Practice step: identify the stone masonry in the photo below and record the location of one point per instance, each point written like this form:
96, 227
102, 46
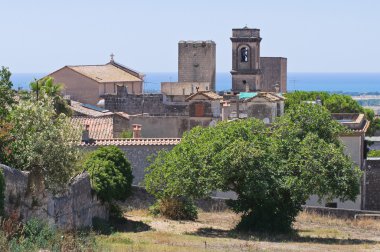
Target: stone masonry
197, 62
75, 208
371, 185
144, 103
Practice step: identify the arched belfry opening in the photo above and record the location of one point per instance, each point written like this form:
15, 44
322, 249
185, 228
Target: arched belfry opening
244, 52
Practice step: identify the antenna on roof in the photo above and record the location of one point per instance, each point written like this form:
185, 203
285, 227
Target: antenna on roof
112, 55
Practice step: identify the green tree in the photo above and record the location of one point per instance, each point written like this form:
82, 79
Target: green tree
111, 173
335, 103
273, 171
6, 92
44, 142
46, 87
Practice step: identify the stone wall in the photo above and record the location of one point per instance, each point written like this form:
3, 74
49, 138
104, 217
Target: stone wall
371, 185
197, 62
71, 209
138, 156
145, 103
274, 70
161, 126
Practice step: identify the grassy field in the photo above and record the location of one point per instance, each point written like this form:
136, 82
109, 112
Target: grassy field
214, 232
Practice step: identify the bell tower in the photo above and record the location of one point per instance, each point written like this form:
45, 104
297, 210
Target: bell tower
246, 72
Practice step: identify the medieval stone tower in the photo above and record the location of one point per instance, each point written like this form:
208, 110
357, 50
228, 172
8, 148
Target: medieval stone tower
246, 72
197, 62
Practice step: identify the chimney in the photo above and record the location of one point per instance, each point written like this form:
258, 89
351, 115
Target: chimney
86, 134
136, 130
225, 106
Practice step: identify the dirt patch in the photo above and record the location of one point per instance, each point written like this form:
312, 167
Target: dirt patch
214, 232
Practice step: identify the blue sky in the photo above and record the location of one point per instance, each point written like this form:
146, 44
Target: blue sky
315, 36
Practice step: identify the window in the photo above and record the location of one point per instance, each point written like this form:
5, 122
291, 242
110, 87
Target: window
244, 54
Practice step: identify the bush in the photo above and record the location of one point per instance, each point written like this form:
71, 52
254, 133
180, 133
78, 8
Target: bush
110, 172
374, 153
175, 209
126, 134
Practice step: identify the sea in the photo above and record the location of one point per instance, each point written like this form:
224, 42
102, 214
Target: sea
348, 83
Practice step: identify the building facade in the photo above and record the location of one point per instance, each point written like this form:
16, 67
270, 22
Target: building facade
250, 72
197, 62
86, 83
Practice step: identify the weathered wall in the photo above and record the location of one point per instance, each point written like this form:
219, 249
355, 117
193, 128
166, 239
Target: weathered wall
72, 209
137, 155
139, 104
353, 147
197, 62
371, 185
183, 88
79, 87
161, 126
274, 70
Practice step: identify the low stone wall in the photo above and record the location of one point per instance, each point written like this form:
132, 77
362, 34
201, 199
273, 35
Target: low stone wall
337, 212
72, 209
141, 199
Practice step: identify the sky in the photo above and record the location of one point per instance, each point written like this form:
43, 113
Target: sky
41, 36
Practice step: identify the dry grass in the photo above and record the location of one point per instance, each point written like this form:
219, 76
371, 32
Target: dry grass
214, 232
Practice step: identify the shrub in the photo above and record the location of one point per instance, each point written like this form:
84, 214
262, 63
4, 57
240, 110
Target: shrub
126, 134
175, 209
374, 153
110, 172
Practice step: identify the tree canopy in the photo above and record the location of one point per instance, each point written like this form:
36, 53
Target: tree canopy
272, 170
335, 103
46, 87
43, 141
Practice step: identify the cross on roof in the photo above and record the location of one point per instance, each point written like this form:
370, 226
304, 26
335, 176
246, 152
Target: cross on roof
112, 55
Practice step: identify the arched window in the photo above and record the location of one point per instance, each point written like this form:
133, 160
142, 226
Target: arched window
244, 54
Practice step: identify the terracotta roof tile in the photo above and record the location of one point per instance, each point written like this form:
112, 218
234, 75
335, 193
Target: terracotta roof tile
208, 94
78, 108
133, 142
100, 127
105, 73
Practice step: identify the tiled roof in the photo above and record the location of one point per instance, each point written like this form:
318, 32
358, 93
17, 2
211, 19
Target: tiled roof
134, 141
81, 110
270, 96
208, 94
99, 127
105, 73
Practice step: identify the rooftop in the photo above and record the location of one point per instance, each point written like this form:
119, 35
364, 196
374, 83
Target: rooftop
105, 73
99, 127
270, 96
354, 121
88, 110
208, 94
134, 142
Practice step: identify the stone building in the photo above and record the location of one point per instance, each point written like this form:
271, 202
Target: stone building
250, 72
196, 62
86, 83
354, 147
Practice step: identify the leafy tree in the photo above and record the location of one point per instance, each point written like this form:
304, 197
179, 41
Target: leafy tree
6, 92
111, 173
47, 88
335, 103
44, 142
272, 170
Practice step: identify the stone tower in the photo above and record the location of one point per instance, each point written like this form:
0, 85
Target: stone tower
197, 62
246, 72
